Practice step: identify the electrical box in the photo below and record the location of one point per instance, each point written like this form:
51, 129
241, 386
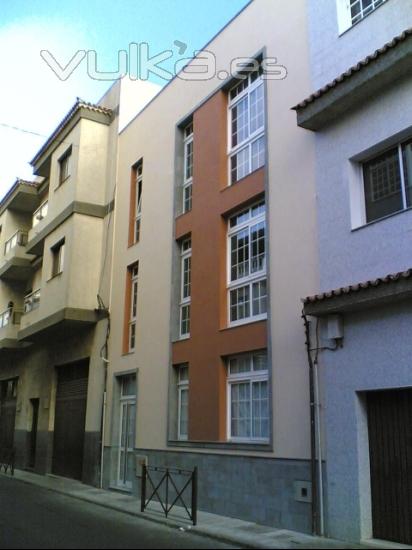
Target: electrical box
334, 327
303, 491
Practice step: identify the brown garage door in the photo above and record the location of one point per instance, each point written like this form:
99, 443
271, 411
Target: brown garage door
69, 424
390, 444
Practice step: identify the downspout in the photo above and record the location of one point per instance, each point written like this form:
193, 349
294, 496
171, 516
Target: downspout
314, 477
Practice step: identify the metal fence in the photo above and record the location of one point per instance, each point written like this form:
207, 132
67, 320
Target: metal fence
170, 487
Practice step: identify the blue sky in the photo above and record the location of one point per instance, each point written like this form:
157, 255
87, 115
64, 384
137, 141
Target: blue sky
32, 98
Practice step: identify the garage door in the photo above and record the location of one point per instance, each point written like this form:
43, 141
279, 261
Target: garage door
70, 418
390, 444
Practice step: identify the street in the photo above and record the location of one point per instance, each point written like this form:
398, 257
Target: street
32, 517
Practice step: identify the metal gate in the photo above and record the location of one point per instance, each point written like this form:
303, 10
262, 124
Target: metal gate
390, 445
70, 418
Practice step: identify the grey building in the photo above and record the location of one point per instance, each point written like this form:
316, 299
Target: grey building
361, 117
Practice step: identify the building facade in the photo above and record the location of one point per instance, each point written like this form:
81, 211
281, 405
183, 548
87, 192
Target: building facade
362, 121
207, 361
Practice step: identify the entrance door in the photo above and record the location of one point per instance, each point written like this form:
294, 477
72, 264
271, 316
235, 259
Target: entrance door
33, 432
70, 419
8, 400
127, 431
390, 445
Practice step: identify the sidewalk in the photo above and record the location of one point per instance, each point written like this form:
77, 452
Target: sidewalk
229, 530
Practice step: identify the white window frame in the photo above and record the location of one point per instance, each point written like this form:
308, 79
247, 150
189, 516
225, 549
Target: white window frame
40, 213
344, 13
249, 279
251, 86
187, 181
137, 222
363, 218
185, 301
241, 378
182, 386
134, 290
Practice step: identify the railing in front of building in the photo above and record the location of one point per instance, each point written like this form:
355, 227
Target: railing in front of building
40, 213
19, 238
10, 316
164, 489
32, 301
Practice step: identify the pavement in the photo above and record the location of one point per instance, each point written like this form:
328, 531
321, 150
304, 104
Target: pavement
224, 529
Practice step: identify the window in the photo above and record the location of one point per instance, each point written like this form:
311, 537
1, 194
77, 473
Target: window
247, 285
134, 274
351, 12
185, 291
183, 402
248, 397
388, 182
138, 183
57, 252
188, 168
64, 166
247, 127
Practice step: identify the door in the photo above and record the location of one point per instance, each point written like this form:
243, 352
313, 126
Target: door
127, 432
390, 448
33, 432
8, 400
70, 420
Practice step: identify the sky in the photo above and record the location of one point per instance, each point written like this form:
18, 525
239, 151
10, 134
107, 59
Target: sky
33, 99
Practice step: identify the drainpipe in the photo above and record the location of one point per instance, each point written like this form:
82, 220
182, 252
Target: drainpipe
319, 450
314, 476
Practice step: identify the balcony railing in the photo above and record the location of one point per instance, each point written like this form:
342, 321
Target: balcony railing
32, 301
10, 316
40, 213
19, 238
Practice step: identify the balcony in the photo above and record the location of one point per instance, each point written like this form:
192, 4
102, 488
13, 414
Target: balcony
16, 263
32, 301
9, 326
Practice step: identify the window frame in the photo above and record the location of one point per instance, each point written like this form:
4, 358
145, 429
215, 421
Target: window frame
137, 207
185, 301
252, 376
344, 13
188, 139
253, 83
64, 166
134, 290
252, 278
399, 146
58, 255
182, 386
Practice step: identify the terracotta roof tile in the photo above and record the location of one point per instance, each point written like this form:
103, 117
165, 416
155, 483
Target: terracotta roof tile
388, 279
355, 69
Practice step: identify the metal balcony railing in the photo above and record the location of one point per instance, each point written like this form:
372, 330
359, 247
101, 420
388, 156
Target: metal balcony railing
5, 318
32, 301
19, 238
40, 213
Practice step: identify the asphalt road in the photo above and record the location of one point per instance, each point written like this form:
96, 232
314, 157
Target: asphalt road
31, 517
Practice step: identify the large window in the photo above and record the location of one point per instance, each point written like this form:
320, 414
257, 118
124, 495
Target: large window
247, 127
247, 286
134, 277
183, 402
248, 397
188, 168
185, 291
388, 182
64, 166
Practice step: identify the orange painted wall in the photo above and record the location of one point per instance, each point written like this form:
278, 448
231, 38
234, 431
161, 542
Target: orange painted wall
210, 339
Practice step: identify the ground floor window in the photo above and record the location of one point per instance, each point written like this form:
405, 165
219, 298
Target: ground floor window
183, 402
248, 397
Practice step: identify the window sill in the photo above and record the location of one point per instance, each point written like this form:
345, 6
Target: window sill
373, 222
248, 321
62, 182
223, 445
55, 276
230, 184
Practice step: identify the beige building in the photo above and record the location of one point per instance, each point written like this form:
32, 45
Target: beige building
215, 244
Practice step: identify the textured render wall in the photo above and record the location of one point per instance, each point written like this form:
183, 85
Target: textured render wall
332, 54
377, 249
376, 355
